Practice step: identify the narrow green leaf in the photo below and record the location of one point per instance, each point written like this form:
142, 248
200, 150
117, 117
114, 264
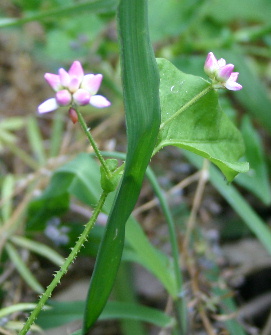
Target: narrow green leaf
200, 125
141, 98
17, 308
6, 192
125, 291
237, 202
35, 139
23, 269
64, 312
12, 123
7, 137
98, 6
57, 134
38, 248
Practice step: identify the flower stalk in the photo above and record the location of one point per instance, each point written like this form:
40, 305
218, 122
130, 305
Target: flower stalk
93, 143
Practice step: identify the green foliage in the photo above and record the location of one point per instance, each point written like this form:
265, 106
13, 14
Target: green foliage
183, 31
199, 125
141, 84
80, 178
256, 180
230, 11
61, 313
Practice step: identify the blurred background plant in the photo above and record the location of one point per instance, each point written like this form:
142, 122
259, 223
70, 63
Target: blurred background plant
40, 224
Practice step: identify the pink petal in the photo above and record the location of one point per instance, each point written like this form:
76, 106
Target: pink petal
210, 64
63, 97
48, 106
53, 80
92, 83
76, 70
224, 72
221, 62
99, 101
81, 97
234, 76
74, 84
64, 77
233, 86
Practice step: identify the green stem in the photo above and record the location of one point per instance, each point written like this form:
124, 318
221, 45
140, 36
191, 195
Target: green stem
179, 304
187, 105
93, 143
64, 268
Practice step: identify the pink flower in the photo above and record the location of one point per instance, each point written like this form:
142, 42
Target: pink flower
73, 88
222, 74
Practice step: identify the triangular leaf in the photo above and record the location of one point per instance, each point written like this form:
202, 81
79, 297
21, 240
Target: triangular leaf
201, 126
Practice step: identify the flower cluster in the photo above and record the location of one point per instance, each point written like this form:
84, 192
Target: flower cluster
73, 88
222, 74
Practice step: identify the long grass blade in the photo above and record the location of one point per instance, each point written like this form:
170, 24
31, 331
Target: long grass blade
141, 98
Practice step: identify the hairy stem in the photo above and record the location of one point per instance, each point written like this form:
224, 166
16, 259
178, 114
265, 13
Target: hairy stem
64, 268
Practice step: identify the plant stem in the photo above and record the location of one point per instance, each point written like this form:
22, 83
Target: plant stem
93, 143
187, 105
179, 304
64, 268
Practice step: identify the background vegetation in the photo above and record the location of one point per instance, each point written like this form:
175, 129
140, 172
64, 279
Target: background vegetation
231, 223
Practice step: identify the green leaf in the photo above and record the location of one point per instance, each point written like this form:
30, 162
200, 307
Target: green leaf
257, 179
47, 206
6, 193
35, 139
232, 11
64, 312
152, 259
56, 134
170, 11
97, 6
12, 123
200, 125
141, 99
17, 308
22, 268
80, 178
38, 248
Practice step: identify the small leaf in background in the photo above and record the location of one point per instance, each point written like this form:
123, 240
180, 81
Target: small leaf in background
23, 269
64, 312
74, 38
35, 139
6, 195
201, 128
256, 180
232, 11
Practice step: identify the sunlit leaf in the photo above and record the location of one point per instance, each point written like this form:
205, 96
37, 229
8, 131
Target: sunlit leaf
200, 126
